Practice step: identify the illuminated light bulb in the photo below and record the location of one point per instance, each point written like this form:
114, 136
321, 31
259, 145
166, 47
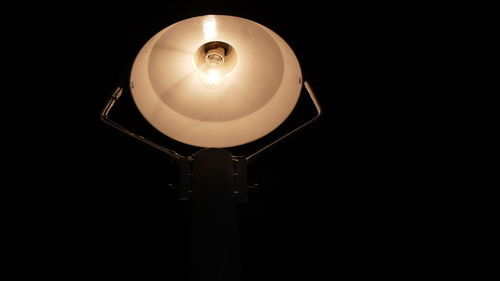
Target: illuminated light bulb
213, 77
215, 59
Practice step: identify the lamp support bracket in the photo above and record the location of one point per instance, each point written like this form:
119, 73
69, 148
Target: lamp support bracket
105, 118
240, 187
318, 109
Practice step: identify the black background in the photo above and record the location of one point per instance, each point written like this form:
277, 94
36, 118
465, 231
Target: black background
367, 191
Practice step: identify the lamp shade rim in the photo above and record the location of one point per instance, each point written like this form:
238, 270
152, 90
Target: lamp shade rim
189, 104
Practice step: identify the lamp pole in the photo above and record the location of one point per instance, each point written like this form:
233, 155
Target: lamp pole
214, 238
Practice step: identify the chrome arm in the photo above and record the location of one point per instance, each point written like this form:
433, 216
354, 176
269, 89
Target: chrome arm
318, 109
105, 118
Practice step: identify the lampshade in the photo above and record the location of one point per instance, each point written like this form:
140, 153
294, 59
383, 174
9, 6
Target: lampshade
216, 81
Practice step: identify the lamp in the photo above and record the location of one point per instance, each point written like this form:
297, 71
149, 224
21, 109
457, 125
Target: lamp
214, 82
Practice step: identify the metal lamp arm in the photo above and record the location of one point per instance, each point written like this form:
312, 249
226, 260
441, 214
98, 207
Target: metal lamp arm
318, 109
105, 118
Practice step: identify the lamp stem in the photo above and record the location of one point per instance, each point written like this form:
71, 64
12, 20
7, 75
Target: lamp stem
214, 237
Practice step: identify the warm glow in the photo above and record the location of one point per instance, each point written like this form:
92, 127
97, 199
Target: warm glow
210, 27
213, 76
216, 81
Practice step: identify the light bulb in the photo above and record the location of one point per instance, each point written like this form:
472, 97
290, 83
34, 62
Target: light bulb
215, 59
213, 76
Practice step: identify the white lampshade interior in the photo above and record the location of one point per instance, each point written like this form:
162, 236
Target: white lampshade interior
244, 98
